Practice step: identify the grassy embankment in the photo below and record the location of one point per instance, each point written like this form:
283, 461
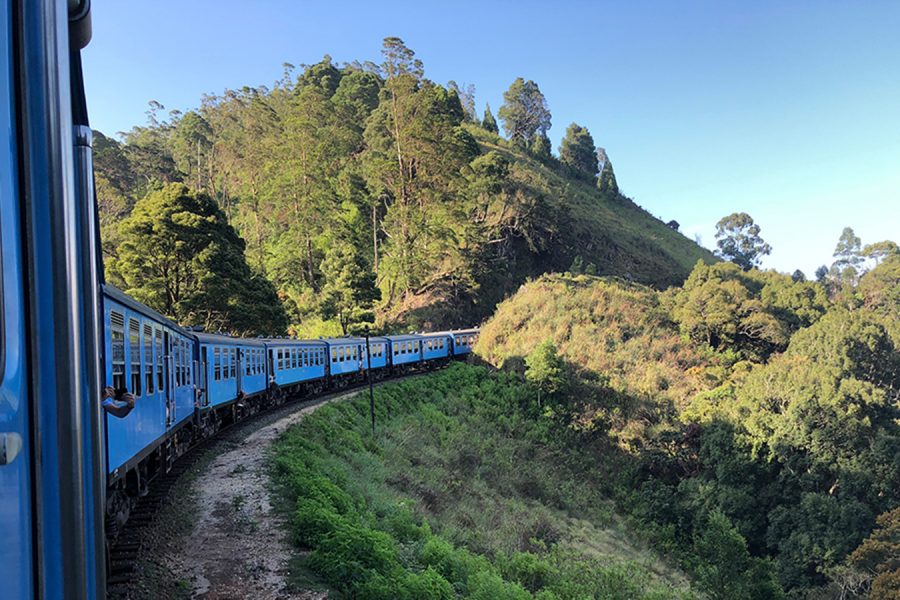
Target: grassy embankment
467, 490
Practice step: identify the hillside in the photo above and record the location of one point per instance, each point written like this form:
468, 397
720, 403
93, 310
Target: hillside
742, 401
465, 491
363, 194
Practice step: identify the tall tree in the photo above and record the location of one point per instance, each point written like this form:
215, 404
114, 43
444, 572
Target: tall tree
349, 291
880, 251
739, 240
466, 94
847, 251
607, 182
489, 123
578, 151
180, 256
524, 112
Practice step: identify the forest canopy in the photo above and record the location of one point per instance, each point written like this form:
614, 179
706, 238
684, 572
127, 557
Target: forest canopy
372, 185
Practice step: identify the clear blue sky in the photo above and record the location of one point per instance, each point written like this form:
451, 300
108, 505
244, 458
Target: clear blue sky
789, 111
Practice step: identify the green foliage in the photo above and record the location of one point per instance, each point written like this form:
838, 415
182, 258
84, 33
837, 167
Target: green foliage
880, 251
578, 151
545, 370
607, 182
738, 240
180, 256
847, 252
380, 158
758, 445
449, 443
524, 112
752, 313
349, 292
489, 123
726, 570
879, 556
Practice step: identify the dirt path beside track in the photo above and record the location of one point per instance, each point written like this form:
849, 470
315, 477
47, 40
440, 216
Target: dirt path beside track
238, 547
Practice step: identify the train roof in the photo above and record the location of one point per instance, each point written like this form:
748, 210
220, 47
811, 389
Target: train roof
290, 342
354, 340
121, 297
404, 336
219, 338
457, 331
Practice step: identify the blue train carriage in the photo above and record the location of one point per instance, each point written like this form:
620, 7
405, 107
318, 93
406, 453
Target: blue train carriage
346, 360
379, 358
406, 352
154, 359
232, 375
296, 365
463, 341
437, 347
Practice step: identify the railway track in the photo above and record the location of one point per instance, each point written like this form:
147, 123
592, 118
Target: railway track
132, 540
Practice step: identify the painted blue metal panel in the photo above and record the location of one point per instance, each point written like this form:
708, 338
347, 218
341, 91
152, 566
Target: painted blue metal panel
16, 568
436, 346
222, 376
346, 356
379, 347
405, 349
463, 340
294, 362
146, 423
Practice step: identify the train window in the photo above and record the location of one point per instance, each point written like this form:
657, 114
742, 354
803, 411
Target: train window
217, 364
233, 353
396, 350
160, 356
341, 353
117, 333
148, 358
296, 354
134, 343
334, 355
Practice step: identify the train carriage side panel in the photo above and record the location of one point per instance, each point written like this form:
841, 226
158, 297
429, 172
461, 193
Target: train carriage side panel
346, 356
405, 349
436, 346
463, 341
126, 368
296, 361
378, 348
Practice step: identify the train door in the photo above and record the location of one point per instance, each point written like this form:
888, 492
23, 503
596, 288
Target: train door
240, 372
170, 380
202, 380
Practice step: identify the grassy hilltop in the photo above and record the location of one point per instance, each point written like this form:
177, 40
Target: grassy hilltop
361, 193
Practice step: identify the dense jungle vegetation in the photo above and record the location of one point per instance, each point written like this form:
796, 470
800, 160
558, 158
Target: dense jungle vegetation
348, 193
749, 401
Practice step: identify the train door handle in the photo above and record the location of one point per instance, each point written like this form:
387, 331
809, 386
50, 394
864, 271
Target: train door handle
10, 445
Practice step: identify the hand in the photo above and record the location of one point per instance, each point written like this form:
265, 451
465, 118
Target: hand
128, 398
108, 392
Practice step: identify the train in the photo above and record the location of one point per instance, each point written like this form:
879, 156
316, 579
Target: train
70, 470
187, 385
